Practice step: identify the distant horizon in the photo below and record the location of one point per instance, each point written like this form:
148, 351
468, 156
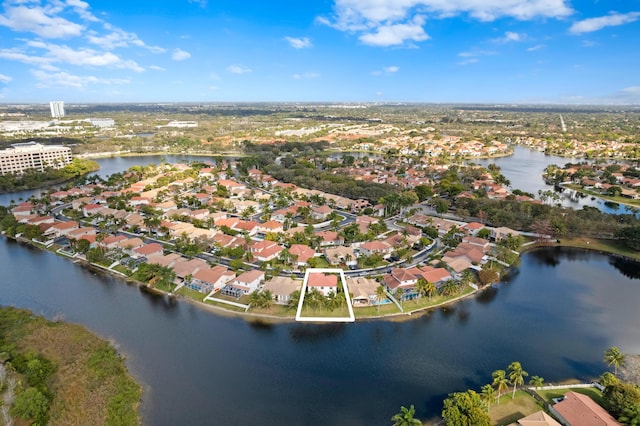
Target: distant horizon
324, 103
563, 52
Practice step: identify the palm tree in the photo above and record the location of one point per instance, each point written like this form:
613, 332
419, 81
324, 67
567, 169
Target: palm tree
431, 289
421, 288
500, 382
488, 394
399, 295
613, 356
405, 417
381, 295
294, 299
536, 381
516, 376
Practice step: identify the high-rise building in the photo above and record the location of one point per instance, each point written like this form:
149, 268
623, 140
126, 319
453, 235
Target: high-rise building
57, 109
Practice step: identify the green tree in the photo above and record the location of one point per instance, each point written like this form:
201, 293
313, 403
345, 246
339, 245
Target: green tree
500, 382
488, 395
536, 381
516, 376
465, 409
613, 356
32, 404
381, 294
405, 417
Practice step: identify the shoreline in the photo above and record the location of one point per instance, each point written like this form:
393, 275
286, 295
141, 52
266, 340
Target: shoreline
397, 316
273, 319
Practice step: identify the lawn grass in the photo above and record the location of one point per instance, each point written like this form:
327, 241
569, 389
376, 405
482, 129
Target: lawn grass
276, 310
510, 410
608, 246
373, 311
549, 394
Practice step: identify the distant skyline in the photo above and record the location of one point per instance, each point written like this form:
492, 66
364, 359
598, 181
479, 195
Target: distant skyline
457, 51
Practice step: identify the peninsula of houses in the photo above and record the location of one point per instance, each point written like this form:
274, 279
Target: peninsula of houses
243, 241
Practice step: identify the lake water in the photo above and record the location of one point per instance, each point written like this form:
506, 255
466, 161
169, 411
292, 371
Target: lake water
556, 314
524, 169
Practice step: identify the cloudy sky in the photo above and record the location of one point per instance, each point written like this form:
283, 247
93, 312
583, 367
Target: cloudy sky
495, 51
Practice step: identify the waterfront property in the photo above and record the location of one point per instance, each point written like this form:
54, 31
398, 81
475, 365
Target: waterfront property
32, 155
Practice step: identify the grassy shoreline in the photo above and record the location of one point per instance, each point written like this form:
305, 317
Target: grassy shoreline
603, 246
88, 381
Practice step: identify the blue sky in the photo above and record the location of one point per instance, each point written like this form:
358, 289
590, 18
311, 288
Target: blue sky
489, 51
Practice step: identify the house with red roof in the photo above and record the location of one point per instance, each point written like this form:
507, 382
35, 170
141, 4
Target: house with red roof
324, 283
148, 250
302, 253
264, 251
243, 284
206, 280
580, 410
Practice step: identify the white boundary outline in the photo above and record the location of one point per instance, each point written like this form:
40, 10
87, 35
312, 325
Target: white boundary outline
303, 293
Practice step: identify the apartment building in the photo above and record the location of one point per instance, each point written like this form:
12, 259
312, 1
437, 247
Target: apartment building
32, 155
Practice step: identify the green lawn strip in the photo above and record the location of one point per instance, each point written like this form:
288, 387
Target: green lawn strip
550, 394
608, 246
374, 311
323, 313
275, 310
510, 410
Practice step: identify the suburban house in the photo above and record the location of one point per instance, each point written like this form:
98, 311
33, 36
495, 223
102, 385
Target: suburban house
76, 234
329, 238
498, 234
321, 212
184, 267
301, 253
148, 250
206, 280
438, 276
324, 283
265, 250
376, 247
281, 288
580, 410
341, 254
473, 228
363, 290
243, 284
539, 418
400, 278
61, 229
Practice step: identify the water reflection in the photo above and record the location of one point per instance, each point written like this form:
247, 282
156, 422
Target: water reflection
487, 295
627, 268
316, 332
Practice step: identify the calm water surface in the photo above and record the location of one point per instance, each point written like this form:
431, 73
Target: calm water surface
525, 167
556, 315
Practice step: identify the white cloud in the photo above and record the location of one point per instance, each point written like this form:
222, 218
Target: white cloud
536, 47
39, 20
510, 36
469, 61
306, 75
5, 78
299, 43
214, 76
156, 68
611, 20
202, 3
472, 57
119, 38
84, 57
64, 79
396, 34
392, 22
180, 55
386, 70
238, 69
589, 43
